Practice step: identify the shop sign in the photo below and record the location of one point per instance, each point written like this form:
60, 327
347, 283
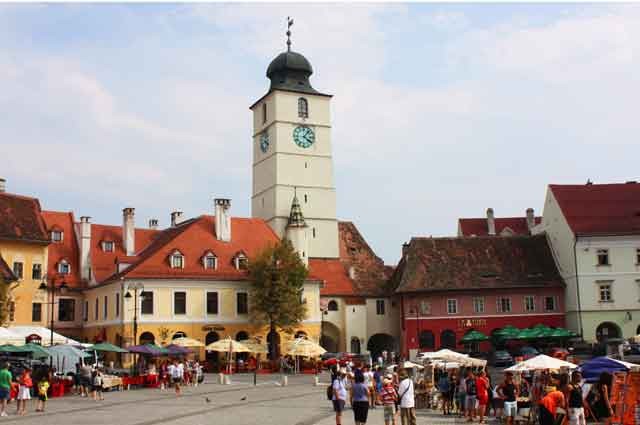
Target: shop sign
212, 328
471, 323
33, 339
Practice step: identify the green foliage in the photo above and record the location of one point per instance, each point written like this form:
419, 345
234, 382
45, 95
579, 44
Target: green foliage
277, 276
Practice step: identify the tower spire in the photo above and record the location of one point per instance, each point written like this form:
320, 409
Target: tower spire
296, 218
289, 24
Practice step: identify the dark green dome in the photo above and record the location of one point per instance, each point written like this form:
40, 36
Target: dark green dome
290, 71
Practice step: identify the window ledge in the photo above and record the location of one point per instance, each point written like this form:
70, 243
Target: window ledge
606, 302
603, 265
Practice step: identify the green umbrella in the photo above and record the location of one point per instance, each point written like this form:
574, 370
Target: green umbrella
474, 336
527, 333
37, 351
541, 326
508, 332
105, 346
561, 333
9, 348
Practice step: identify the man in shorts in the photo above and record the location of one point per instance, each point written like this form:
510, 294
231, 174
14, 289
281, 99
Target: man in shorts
389, 397
86, 377
471, 398
509, 392
5, 387
339, 398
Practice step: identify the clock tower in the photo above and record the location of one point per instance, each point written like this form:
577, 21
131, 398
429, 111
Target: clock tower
292, 157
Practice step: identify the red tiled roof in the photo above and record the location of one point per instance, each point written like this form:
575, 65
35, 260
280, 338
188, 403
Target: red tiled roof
20, 219
67, 249
600, 209
449, 264
371, 274
6, 273
478, 226
103, 264
192, 238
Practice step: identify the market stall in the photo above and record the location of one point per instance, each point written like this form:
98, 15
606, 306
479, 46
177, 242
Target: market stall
592, 369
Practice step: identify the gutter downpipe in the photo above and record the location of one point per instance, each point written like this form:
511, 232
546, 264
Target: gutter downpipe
575, 262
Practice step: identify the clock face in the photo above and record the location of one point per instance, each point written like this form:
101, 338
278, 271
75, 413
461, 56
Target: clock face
264, 142
303, 136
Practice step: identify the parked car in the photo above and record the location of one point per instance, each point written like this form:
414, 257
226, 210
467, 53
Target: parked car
501, 358
559, 353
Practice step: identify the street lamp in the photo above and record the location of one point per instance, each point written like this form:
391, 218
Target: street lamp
135, 287
48, 284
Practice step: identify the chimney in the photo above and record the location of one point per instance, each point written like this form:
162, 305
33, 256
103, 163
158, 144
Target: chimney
405, 249
175, 218
85, 248
153, 223
128, 231
3, 185
223, 219
531, 221
491, 223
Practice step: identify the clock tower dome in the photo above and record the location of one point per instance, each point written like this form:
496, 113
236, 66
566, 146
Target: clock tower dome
292, 155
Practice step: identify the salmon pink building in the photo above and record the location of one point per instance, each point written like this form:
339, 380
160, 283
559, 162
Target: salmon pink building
447, 287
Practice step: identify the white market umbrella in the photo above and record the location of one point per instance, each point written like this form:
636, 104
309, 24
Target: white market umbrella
187, 342
411, 365
228, 346
541, 362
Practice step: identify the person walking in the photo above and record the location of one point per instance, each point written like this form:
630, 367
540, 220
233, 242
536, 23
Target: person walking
339, 398
369, 382
601, 405
445, 391
85, 380
575, 400
24, 391
43, 388
406, 395
389, 397
5, 387
98, 381
461, 389
482, 390
360, 392
178, 376
471, 398
508, 391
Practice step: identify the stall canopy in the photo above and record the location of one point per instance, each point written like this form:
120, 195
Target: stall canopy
65, 357
177, 350
37, 351
305, 348
541, 362
592, 369
474, 336
149, 349
187, 342
106, 347
452, 356
17, 335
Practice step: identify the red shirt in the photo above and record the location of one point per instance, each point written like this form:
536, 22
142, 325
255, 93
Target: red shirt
481, 387
552, 401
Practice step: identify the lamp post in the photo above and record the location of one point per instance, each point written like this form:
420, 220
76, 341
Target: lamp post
48, 284
135, 287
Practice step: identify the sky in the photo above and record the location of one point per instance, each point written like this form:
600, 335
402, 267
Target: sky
439, 110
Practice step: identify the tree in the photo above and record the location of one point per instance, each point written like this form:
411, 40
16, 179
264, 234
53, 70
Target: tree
277, 278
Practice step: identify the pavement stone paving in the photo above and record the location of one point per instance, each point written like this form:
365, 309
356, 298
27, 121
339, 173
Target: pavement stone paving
240, 403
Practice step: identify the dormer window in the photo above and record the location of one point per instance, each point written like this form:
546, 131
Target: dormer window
107, 246
241, 262
56, 235
210, 261
177, 260
303, 108
64, 267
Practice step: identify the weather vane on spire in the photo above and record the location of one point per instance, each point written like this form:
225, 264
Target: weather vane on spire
289, 24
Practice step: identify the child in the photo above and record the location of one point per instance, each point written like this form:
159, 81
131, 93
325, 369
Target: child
43, 388
97, 385
24, 391
389, 398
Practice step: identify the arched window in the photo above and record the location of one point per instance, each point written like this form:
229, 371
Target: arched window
355, 345
179, 334
210, 261
241, 336
332, 306
147, 338
427, 340
301, 334
177, 260
303, 108
448, 339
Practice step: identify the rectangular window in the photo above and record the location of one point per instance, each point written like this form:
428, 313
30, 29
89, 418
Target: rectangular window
66, 310
106, 308
179, 303
117, 305
85, 311
242, 303
638, 256
264, 113
17, 269
380, 307
146, 303
95, 310
478, 305
36, 272
212, 303
529, 303
605, 293
36, 312
63, 267
603, 257
56, 236
549, 303
107, 246
452, 306
210, 262
504, 305
12, 311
